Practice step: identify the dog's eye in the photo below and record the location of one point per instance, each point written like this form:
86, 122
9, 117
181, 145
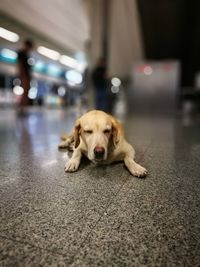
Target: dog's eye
106, 131
88, 131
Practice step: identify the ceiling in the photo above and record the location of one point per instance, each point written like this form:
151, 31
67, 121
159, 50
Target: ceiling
64, 22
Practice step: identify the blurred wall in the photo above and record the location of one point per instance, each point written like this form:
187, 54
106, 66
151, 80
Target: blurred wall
171, 30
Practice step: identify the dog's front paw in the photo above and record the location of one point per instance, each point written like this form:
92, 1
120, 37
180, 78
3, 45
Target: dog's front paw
71, 166
138, 171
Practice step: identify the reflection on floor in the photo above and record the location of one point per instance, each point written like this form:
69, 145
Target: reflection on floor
98, 216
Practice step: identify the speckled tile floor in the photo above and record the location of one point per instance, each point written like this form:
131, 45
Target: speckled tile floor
98, 216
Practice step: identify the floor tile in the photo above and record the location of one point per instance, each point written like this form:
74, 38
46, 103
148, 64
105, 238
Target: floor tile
21, 254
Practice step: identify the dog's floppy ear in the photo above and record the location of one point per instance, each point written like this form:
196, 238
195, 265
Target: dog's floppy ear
77, 133
115, 132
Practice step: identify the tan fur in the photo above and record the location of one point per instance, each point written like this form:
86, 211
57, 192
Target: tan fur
97, 128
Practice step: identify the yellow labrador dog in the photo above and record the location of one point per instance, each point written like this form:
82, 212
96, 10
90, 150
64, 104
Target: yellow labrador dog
100, 137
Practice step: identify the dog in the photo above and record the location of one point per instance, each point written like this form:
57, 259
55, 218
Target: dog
100, 137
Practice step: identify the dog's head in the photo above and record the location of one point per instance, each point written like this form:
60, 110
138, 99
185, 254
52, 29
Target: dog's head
98, 131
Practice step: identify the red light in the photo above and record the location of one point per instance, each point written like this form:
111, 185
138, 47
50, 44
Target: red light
141, 68
167, 67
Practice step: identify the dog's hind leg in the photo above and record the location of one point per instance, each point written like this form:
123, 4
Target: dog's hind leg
67, 142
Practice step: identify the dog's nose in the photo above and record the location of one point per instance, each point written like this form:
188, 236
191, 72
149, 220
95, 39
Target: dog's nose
99, 152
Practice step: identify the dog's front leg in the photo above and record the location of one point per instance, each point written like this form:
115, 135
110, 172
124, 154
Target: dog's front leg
73, 164
134, 168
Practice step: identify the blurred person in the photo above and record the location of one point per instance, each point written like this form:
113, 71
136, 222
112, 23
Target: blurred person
42, 90
99, 78
24, 71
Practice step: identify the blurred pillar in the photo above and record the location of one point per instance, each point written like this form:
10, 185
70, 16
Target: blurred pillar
125, 42
105, 31
95, 10
115, 34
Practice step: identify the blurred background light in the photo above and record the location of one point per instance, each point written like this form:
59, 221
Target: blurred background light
80, 56
32, 93
168, 67
9, 54
33, 83
115, 89
61, 91
69, 61
52, 100
16, 81
39, 66
8, 35
82, 61
148, 70
116, 81
71, 83
81, 67
31, 61
53, 70
52, 54
140, 68
74, 77
18, 90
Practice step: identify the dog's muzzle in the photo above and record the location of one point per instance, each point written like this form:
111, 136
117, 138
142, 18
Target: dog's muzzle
99, 153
